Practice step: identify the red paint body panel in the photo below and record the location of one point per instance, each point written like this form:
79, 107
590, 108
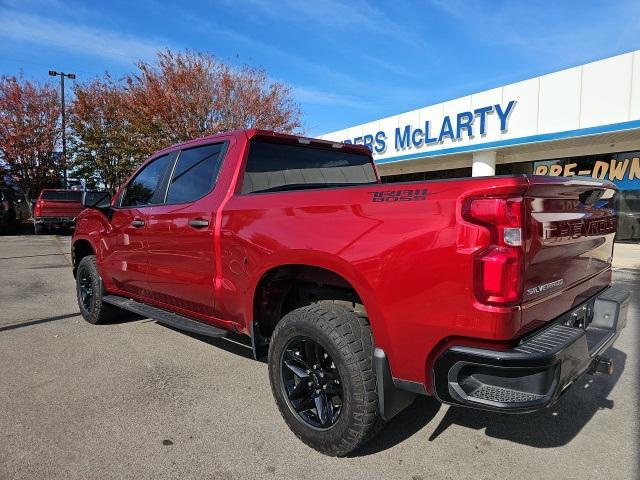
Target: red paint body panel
413, 263
123, 252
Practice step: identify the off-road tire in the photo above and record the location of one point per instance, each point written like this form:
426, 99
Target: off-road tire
347, 338
99, 311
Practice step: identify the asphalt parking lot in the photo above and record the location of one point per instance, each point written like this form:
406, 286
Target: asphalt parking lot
140, 400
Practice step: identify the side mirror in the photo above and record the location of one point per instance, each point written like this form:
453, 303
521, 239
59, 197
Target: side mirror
97, 200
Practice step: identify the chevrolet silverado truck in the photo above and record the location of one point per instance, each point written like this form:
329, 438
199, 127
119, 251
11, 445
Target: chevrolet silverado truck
56, 208
491, 293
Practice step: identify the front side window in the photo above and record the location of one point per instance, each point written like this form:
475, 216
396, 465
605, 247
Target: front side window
280, 166
195, 173
142, 189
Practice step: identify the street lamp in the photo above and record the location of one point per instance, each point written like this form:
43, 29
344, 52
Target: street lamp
70, 76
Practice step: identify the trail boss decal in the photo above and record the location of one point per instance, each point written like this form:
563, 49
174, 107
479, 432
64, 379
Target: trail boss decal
399, 195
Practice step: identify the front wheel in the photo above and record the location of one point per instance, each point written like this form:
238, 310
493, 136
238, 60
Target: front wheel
89, 289
321, 373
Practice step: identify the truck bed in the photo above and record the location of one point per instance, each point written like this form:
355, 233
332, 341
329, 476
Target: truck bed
410, 255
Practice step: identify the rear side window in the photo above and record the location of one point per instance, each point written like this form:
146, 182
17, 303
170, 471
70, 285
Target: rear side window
143, 188
69, 196
195, 173
278, 166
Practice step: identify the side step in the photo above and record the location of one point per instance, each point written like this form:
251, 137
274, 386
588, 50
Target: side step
167, 318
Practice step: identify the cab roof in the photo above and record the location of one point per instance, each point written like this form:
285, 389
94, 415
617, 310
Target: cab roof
248, 134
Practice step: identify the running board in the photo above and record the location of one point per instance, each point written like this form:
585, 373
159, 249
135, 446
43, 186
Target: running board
165, 317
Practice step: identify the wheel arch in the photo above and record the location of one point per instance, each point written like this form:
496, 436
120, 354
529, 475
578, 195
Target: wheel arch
286, 286
80, 248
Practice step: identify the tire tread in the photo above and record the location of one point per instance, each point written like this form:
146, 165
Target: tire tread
351, 334
102, 312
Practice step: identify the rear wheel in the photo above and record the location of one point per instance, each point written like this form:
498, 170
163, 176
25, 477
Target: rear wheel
89, 289
40, 229
321, 373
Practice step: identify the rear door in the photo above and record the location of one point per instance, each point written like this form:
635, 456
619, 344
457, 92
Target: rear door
181, 256
125, 244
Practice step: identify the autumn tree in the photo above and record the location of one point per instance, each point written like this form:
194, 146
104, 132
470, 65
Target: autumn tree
104, 152
181, 96
186, 95
29, 133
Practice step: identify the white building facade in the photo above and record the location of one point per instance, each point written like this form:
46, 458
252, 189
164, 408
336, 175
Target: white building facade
580, 121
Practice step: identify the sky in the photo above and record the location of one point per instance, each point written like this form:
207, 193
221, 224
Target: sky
346, 62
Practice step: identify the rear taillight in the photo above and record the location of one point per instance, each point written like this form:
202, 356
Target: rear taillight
498, 267
38, 209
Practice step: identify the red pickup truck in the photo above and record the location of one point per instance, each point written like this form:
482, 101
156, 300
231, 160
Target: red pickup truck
57, 208
492, 293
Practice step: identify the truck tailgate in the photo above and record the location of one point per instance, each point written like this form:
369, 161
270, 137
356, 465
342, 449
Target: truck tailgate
569, 244
60, 208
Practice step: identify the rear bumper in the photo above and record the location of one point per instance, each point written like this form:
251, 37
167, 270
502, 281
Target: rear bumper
56, 221
541, 367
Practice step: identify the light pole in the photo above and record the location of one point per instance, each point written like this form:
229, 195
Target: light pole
70, 76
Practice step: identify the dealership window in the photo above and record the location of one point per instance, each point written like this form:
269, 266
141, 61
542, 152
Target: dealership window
623, 169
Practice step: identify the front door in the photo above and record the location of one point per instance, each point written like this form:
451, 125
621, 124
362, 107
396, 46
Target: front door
126, 241
181, 257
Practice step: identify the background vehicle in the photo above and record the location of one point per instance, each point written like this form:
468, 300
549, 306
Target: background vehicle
491, 293
57, 208
13, 209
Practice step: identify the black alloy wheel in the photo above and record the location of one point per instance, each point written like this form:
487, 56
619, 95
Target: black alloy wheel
322, 377
89, 292
85, 286
311, 383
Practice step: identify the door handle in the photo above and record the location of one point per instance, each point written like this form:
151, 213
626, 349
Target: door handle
137, 223
199, 223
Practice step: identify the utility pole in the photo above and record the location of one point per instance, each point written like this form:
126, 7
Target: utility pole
70, 76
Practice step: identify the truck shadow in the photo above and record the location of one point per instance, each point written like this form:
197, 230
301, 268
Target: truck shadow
406, 424
551, 427
548, 428
233, 343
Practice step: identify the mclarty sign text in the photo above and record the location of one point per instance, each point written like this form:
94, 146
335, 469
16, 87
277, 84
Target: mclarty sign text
454, 127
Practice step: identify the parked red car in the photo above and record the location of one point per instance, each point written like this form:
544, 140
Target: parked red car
57, 208
492, 293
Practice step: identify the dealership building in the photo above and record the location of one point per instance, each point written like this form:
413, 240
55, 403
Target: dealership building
583, 121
